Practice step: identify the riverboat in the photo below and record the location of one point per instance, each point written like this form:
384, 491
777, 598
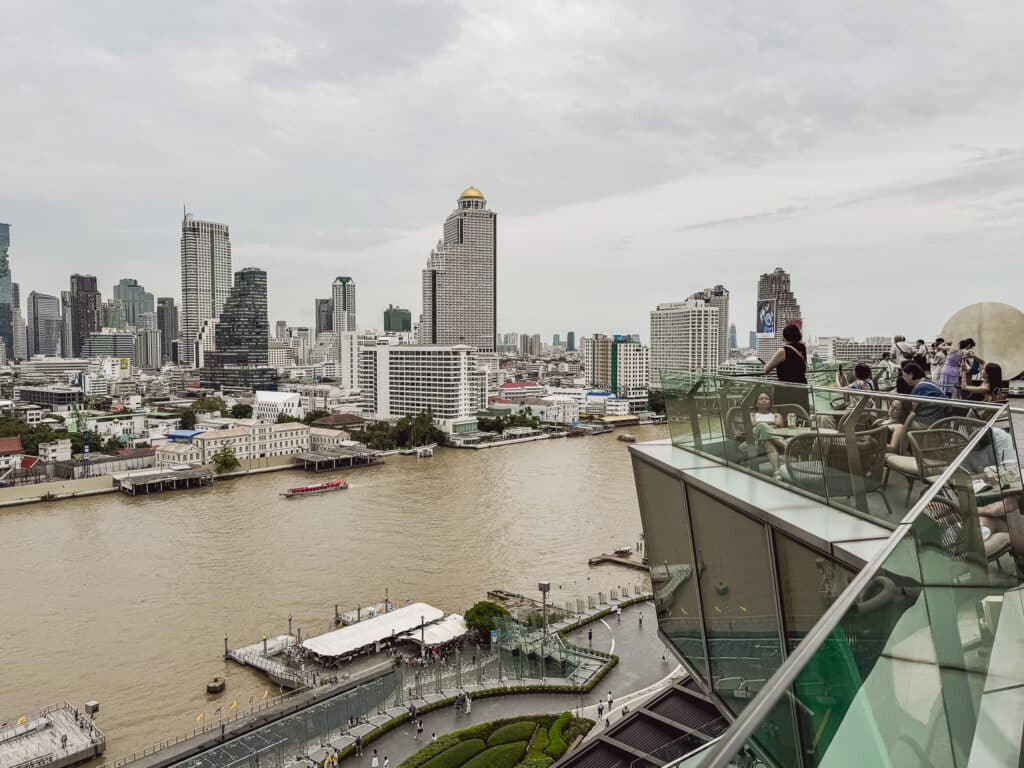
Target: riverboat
627, 438
309, 490
575, 432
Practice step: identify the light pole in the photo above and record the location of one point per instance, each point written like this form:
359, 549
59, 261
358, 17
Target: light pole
544, 587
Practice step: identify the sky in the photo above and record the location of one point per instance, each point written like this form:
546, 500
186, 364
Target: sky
634, 152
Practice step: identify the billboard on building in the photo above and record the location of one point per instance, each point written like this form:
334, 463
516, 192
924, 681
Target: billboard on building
765, 321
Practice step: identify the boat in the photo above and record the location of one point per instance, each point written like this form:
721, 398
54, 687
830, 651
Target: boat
216, 685
309, 490
627, 438
575, 432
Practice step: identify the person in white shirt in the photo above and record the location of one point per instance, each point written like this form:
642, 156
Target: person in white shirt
901, 351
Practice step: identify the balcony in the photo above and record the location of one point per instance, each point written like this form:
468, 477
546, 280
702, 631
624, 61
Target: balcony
853, 599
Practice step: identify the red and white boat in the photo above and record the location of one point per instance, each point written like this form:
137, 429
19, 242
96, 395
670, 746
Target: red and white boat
309, 490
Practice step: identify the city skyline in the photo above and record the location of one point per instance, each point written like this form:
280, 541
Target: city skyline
772, 167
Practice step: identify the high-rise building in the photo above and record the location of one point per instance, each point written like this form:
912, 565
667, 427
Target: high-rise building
148, 351
570, 341
44, 324
775, 285
619, 365
324, 309
460, 279
397, 320
133, 298
406, 379
343, 310
718, 297
240, 360
556, 340
752, 340
535, 346
732, 336
524, 344
86, 311
18, 321
109, 343
167, 324
281, 330
65, 328
205, 278
6, 294
112, 314
684, 337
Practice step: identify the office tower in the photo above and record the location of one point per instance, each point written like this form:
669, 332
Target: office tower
146, 321
570, 341
109, 343
44, 324
65, 328
684, 337
524, 344
752, 340
718, 297
406, 379
20, 342
732, 336
775, 285
148, 351
556, 341
510, 341
205, 277
112, 314
86, 307
324, 309
535, 344
460, 279
133, 298
167, 324
397, 320
281, 330
240, 360
619, 365
343, 308
6, 293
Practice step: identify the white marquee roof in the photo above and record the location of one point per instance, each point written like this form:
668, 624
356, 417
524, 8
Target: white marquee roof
451, 628
351, 638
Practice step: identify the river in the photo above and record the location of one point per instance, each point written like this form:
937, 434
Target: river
128, 600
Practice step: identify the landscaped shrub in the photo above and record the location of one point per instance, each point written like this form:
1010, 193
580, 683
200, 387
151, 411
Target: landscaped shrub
521, 731
430, 751
453, 757
539, 742
536, 761
557, 746
504, 756
578, 726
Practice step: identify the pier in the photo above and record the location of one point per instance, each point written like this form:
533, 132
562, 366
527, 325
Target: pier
53, 737
337, 458
164, 480
628, 562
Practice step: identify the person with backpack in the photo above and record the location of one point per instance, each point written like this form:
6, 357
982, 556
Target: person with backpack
901, 352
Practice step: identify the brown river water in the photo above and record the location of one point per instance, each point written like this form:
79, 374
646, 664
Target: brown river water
128, 600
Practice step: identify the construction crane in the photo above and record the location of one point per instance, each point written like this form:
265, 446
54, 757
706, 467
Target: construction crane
79, 414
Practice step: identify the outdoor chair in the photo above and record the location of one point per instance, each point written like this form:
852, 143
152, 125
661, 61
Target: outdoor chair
965, 425
931, 452
820, 463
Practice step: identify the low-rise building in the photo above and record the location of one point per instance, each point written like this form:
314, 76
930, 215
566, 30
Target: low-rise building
56, 450
268, 406
321, 439
254, 440
10, 452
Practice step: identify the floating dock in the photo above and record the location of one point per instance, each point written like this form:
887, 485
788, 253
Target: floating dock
163, 480
337, 458
628, 562
54, 737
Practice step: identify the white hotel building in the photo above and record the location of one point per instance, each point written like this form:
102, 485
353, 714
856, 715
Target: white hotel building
398, 380
685, 336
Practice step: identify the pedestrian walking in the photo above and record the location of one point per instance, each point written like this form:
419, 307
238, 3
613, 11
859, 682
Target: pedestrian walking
375, 761
387, 763
590, 637
664, 655
433, 737
469, 704
640, 616
419, 730
600, 710
618, 612
359, 746
609, 702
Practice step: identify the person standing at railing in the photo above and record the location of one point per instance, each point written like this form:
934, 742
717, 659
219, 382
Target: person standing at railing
790, 365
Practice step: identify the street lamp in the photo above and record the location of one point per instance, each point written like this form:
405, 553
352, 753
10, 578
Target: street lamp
544, 587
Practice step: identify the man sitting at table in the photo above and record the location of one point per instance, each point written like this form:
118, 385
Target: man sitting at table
913, 376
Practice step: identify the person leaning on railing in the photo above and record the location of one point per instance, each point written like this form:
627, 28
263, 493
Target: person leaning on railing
790, 365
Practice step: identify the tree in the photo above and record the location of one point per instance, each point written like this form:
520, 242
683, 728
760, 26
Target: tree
224, 460
284, 418
112, 445
481, 616
312, 416
188, 420
209, 405
656, 400
241, 411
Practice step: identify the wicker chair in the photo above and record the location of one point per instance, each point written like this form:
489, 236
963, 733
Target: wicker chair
820, 463
965, 425
931, 451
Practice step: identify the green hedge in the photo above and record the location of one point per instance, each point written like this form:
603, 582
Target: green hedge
453, 757
557, 746
580, 726
504, 756
432, 750
536, 761
506, 734
539, 742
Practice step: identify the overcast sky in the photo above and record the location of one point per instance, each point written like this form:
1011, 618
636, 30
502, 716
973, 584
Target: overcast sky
634, 152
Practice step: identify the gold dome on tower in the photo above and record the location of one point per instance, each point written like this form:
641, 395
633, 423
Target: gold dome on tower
471, 192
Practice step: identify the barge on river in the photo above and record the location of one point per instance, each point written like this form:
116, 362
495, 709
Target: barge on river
310, 490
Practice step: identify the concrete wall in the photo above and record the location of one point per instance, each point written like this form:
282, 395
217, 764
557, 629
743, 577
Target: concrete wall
61, 488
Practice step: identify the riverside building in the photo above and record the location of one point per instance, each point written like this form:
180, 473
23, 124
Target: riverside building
406, 379
460, 279
618, 365
205, 278
685, 336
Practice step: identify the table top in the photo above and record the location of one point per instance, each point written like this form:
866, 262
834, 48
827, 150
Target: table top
791, 432
1005, 483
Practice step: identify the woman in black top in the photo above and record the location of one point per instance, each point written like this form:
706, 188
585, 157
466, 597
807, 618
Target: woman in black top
790, 365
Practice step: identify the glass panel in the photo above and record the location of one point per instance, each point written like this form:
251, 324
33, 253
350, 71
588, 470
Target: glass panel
669, 553
734, 572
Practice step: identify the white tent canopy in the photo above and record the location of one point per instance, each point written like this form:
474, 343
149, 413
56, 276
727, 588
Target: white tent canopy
451, 628
347, 640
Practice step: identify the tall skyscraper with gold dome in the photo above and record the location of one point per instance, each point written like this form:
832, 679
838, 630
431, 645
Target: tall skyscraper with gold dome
460, 279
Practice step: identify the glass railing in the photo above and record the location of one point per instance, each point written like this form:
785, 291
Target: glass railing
869, 453
917, 662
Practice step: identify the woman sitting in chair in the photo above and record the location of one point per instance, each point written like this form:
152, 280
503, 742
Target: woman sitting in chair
763, 419
899, 412
990, 390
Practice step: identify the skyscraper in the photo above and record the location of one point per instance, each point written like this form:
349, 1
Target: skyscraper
240, 359
167, 324
6, 294
281, 330
570, 341
18, 323
86, 306
112, 314
205, 277
65, 327
44, 324
732, 336
397, 320
324, 310
343, 307
133, 298
460, 279
775, 285
684, 337
556, 340
718, 297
